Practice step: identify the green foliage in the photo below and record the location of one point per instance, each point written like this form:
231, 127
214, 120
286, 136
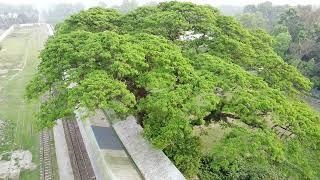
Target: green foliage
269, 12
282, 43
221, 36
94, 20
100, 90
292, 20
143, 63
295, 30
112, 71
282, 40
244, 155
55, 107
186, 154
249, 96
253, 21
241, 47
171, 19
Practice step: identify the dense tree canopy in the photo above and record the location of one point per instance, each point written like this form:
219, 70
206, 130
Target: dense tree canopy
177, 66
95, 20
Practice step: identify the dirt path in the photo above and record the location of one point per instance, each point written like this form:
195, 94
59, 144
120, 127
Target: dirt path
25, 59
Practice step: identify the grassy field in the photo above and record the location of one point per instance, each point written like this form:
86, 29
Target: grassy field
209, 135
18, 62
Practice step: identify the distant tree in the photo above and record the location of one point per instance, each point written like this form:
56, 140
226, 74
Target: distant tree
17, 14
60, 12
253, 21
266, 9
270, 13
279, 29
282, 43
22, 18
127, 6
230, 10
301, 22
292, 20
282, 40
250, 9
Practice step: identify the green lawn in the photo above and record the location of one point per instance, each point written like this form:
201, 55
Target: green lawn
209, 135
20, 51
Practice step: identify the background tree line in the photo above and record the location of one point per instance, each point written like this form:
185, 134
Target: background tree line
59, 12
55, 13
17, 14
295, 30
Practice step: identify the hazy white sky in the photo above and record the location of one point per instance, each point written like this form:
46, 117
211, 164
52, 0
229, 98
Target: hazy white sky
213, 2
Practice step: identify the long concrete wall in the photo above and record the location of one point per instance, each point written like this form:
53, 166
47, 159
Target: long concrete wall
152, 163
6, 33
62, 154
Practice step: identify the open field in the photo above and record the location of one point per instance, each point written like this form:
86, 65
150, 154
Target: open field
18, 62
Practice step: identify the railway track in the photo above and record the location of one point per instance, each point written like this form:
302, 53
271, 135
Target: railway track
46, 155
80, 162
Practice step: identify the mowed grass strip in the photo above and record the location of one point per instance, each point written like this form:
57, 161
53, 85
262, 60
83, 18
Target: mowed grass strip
21, 51
12, 54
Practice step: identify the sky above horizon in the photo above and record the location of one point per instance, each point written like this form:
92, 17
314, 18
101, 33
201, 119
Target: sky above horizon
212, 2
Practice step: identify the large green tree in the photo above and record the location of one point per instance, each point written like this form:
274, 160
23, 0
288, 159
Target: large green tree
176, 66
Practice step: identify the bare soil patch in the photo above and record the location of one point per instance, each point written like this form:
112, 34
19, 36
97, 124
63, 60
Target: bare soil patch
11, 164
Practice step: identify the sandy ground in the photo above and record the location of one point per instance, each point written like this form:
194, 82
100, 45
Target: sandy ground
11, 164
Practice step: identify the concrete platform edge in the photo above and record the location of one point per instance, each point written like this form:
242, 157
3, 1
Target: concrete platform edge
62, 154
